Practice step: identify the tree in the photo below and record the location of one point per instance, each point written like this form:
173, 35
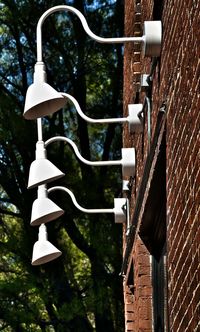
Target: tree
81, 290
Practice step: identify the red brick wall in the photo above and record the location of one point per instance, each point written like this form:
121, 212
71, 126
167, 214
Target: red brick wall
180, 75
176, 83
138, 295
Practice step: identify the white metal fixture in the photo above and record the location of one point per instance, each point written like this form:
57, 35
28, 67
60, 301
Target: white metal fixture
125, 186
44, 171
144, 83
42, 99
41, 102
43, 250
127, 162
119, 210
45, 210
151, 39
136, 119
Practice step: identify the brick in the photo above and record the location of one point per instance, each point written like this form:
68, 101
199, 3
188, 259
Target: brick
176, 82
129, 316
129, 307
145, 291
144, 324
130, 326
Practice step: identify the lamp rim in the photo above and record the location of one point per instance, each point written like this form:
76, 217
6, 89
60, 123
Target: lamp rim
47, 218
46, 259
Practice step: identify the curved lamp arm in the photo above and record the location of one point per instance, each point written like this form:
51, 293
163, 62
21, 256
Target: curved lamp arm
134, 118
127, 161
119, 210
86, 118
79, 207
85, 27
77, 153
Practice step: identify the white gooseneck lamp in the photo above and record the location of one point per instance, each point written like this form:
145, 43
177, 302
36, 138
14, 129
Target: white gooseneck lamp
42, 99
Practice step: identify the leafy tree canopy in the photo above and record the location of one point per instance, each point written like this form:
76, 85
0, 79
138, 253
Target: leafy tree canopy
81, 291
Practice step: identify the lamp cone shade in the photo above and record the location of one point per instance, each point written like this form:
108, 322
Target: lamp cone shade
42, 100
43, 250
44, 210
43, 171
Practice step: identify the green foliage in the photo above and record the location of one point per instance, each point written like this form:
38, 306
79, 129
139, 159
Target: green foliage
81, 291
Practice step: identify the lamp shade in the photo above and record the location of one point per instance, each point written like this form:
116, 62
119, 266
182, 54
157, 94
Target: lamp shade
44, 210
42, 171
43, 250
42, 100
